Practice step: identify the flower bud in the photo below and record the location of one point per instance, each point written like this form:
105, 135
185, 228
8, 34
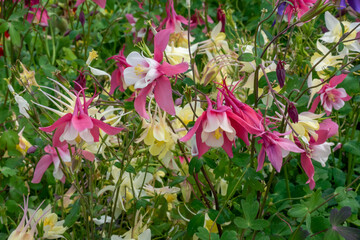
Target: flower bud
31, 149
280, 73
67, 33
80, 82
293, 113
82, 18
178, 101
221, 16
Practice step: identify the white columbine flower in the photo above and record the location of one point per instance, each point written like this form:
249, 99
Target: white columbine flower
23, 104
336, 32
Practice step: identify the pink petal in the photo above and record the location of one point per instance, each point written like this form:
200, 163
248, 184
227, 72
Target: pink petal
329, 126
261, 159
106, 127
41, 167
160, 42
100, 3
240, 131
116, 81
163, 95
171, 70
78, 2
288, 145
275, 156
202, 147
315, 104
192, 131
309, 169
130, 18
57, 123
56, 138
81, 122
88, 155
140, 101
95, 132
337, 80
227, 146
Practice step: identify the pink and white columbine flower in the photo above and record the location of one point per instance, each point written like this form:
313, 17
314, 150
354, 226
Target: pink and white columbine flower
297, 7
53, 157
318, 149
172, 21
330, 96
217, 128
74, 127
149, 75
275, 148
117, 77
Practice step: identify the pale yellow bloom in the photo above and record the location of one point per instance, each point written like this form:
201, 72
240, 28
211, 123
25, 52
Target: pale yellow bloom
306, 126
27, 78
186, 115
24, 144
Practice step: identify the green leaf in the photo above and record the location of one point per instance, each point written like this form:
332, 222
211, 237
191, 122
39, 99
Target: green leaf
189, 82
298, 210
213, 214
141, 203
4, 27
9, 140
203, 234
177, 180
8, 171
229, 235
195, 222
242, 223
15, 35
195, 165
130, 169
12, 206
246, 57
73, 214
259, 224
352, 147
250, 208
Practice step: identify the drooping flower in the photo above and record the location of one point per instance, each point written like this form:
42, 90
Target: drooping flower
117, 77
26, 228
172, 21
217, 128
198, 19
24, 144
336, 32
100, 3
38, 16
318, 149
150, 75
51, 227
330, 96
275, 148
158, 135
22, 103
52, 157
306, 126
97, 72
77, 126
296, 8
27, 78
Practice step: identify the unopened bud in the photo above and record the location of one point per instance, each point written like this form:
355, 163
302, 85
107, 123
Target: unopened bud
178, 101
78, 37
280, 73
67, 32
31, 149
221, 16
293, 113
82, 18
80, 82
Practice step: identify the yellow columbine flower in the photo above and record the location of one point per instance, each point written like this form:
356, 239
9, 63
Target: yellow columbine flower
157, 135
186, 115
24, 144
306, 126
27, 78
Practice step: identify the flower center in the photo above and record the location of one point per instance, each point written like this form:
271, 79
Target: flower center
332, 97
217, 133
139, 70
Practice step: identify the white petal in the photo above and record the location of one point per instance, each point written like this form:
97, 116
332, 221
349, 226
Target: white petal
146, 235
69, 134
134, 58
151, 75
328, 37
212, 122
324, 50
212, 141
86, 136
216, 30
321, 152
98, 72
330, 21
130, 77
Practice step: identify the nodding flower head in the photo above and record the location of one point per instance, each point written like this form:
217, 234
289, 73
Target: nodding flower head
78, 126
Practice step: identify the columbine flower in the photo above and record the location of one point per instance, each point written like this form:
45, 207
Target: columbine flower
330, 96
97, 72
335, 32
306, 126
158, 136
23, 104
186, 115
318, 149
275, 148
24, 144
328, 61
53, 157
40, 14
25, 231
297, 7
172, 21
149, 74
52, 228
77, 126
117, 77
217, 128
27, 78
216, 41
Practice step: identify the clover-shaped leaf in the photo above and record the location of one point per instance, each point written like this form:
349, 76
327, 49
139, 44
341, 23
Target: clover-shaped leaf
339, 217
